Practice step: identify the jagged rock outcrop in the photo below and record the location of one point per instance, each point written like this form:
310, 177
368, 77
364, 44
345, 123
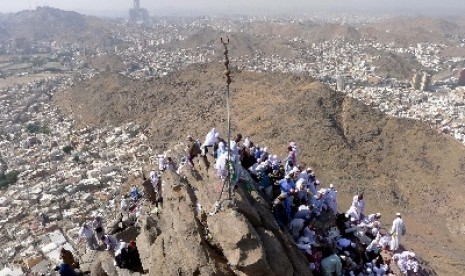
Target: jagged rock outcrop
242, 238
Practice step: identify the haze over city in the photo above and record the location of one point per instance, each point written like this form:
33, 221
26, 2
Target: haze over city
344, 115
119, 7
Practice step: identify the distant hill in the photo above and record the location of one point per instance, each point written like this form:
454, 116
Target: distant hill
45, 23
393, 65
403, 165
413, 30
245, 44
333, 31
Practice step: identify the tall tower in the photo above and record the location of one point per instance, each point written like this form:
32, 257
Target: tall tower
136, 4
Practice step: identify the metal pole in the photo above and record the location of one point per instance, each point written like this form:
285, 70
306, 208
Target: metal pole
227, 74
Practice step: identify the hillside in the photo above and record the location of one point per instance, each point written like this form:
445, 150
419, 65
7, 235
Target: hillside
402, 165
307, 30
246, 43
45, 23
413, 30
393, 65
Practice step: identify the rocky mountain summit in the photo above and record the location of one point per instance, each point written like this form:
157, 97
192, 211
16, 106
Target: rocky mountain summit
190, 237
402, 165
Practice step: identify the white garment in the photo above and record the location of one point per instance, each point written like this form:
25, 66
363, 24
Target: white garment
210, 138
397, 230
154, 179
302, 188
331, 199
220, 166
352, 212
86, 231
412, 265
359, 204
401, 262
124, 204
111, 242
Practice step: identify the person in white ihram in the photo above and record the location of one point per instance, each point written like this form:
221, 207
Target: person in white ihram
397, 230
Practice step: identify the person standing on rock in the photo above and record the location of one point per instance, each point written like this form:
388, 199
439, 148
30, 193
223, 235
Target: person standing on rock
155, 181
397, 230
87, 233
97, 224
359, 203
192, 149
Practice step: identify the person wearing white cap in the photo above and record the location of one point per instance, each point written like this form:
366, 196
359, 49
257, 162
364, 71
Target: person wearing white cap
359, 203
397, 230
302, 188
318, 203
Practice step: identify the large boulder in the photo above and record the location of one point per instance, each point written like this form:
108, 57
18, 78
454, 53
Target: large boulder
235, 236
180, 248
275, 253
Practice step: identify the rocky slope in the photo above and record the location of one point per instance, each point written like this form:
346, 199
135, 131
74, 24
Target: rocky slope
402, 165
186, 238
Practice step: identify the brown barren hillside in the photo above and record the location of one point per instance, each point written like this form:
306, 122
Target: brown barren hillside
402, 165
413, 30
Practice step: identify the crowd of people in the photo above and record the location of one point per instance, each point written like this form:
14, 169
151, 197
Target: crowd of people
349, 244
334, 242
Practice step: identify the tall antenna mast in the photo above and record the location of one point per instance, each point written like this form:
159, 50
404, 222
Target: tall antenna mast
227, 74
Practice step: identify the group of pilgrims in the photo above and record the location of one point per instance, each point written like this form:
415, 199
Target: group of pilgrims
350, 244
334, 242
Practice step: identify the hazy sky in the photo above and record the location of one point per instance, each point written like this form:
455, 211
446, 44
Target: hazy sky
112, 6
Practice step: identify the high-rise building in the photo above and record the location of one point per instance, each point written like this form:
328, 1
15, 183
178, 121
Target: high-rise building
461, 77
138, 14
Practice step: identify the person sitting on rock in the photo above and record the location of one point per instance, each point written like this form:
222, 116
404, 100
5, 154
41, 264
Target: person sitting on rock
169, 164
86, 232
210, 139
68, 258
110, 242
65, 270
